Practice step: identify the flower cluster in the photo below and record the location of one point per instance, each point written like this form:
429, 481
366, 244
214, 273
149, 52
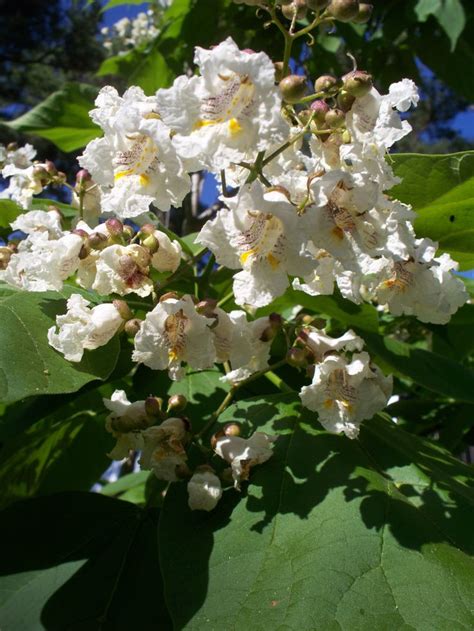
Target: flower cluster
127, 34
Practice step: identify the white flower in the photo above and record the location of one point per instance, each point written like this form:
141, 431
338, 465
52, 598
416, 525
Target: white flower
423, 285
321, 344
23, 184
82, 327
229, 112
168, 256
321, 281
124, 423
172, 333
39, 221
266, 239
244, 453
204, 490
163, 448
345, 393
135, 162
42, 264
120, 269
20, 157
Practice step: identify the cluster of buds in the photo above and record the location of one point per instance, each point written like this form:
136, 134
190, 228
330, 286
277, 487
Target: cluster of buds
46, 173
342, 10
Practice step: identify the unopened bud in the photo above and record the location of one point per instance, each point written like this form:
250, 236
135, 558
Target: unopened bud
365, 11
320, 109
296, 357
123, 309
128, 232
60, 178
85, 250
326, 83
50, 167
293, 88
345, 100
80, 233
297, 8
232, 429
41, 175
153, 406
177, 403
346, 137
335, 118
344, 10
215, 437
132, 327
97, 240
83, 176
114, 226
169, 295
358, 83
268, 334
12, 146
278, 71
147, 228
151, 243
206, 307
276, 321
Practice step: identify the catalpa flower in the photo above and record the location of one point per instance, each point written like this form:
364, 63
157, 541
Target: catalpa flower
344, 393
163, 448
82, 327
266, 239
41, 264
39, 221
233, 106
135, 162
23, 184
172, 333
125, 423
244, 453
204, 489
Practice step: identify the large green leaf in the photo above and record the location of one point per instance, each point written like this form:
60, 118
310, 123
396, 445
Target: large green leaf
449, 13
28, 364
430, 370
146, 68
80, 561
63, 117
9, 211
331, 534
441, 190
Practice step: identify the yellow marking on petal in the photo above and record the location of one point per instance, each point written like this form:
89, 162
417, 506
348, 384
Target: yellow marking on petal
172, 355
274, 262
347, 405
120, 174
205, 123
152, 115
328, 403
144, 179
234, 126
338, 232
245, 255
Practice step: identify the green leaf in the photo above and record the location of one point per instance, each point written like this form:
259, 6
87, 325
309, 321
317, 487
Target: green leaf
80, 561
441, 190
43, 203
28, 364
63, 118
65, 450
430, 370
145, 68
449, 13
330, 534
9, 211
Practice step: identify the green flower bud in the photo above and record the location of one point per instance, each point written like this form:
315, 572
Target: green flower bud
278, 65
132, 327
365, 11
345, 100
293, 88
335, 118
296, 357
297, 7
232, 429
151, 243
344, 10
153, 406
85, 250
98, 241
326, 83
128, 232
357, 83
177, 403
83, 176
123, 309
12, 146
320, 109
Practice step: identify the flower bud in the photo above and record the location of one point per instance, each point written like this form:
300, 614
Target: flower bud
268, 334
128, 232
97, 240
12, 146
153, 406
168, 295
344, 10
293, 88
215, 437
151, 243
85, 250
50, 167
83, 176
357, 83
346, 137
60, 178
276, 321
80, 233
232, 429
296, 357
132, 327
206, 307
147, 228
177, 403
365, 11
5, 255
114, 226
123, 309
41, 175
297, 7
326, 83
335, 118
345, 100
278, 65
304, 116
320, 108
